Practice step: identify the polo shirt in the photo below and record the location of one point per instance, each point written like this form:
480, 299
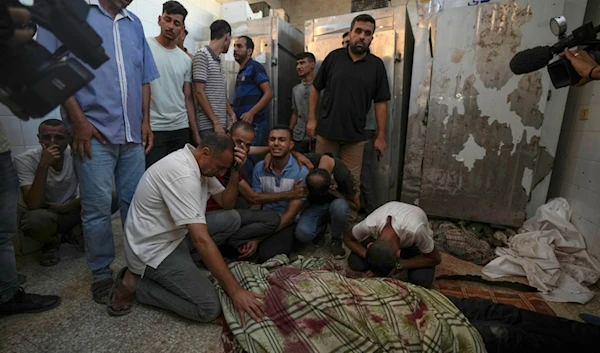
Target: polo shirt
247, 90
268, 181
350, 87
112, 101
409, 222
171, 194
207, 68
342, 176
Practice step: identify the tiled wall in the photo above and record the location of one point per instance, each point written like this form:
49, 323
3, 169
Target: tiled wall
23, 135
576, 174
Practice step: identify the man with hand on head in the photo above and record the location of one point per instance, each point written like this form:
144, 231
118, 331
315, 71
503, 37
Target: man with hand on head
395, 236
172, 111
167, 218
214, 113
50, 207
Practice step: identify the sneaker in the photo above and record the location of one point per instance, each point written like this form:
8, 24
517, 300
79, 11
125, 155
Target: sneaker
337, 250
28, 303
319, 240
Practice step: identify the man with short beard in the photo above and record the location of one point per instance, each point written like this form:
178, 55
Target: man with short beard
356, 73
172, 112
209, 82
109, 120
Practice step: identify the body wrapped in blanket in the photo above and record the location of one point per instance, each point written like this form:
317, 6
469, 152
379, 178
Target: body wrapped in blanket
311, 306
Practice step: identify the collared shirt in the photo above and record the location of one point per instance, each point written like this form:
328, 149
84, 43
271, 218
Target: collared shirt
409, 222
247, 90
268, 181
300, 95
171, 194
207, 69
112, 101
350, 88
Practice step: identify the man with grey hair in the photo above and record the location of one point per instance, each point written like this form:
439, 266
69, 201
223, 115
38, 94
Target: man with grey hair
167, 218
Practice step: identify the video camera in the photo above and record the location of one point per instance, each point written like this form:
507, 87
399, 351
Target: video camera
34, 81
561, 71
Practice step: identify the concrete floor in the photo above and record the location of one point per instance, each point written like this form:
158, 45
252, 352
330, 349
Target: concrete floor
81, 325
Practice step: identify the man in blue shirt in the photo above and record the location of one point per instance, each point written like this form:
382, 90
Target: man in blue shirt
110, 126
252, 95
282, 176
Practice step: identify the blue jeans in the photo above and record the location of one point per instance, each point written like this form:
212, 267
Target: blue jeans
9, 191
261, 138
125, 165
314, 219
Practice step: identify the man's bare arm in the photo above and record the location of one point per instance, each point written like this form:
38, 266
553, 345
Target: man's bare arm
422, 261
262, 198
191, 111
200, 88
293, 120
354, 245
288, 217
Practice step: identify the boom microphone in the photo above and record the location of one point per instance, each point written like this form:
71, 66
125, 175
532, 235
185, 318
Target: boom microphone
530, 60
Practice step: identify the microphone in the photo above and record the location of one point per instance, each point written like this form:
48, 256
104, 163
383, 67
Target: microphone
530, 60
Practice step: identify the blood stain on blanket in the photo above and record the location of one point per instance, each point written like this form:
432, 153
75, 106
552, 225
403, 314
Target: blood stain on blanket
312, 327
418, 313
377, 319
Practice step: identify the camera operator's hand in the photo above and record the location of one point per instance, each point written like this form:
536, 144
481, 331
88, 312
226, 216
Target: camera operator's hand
21, 19
583, 63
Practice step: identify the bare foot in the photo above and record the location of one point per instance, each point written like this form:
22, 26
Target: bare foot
124, 292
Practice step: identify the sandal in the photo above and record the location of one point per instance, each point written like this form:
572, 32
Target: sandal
124, 307
49, 256
100, 290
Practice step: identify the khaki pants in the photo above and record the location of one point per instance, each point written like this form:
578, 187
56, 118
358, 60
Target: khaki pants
351, 153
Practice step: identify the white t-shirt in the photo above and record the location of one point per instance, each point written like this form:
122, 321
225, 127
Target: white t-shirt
61, 185
409, 222
167, 101
171, 194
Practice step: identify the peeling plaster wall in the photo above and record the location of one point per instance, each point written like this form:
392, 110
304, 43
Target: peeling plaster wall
488, 147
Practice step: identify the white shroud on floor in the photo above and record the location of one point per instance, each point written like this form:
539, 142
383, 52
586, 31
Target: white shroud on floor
552, 254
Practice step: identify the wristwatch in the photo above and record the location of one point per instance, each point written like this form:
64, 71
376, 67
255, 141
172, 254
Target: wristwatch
399, 266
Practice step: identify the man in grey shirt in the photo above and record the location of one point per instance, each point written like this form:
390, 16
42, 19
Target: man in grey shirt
305, 67
209, 82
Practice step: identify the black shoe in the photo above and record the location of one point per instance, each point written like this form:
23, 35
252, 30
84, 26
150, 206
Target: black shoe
337, 250
75, 238
319, 240
29, 303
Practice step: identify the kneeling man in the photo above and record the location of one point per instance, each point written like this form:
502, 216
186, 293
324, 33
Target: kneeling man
169, 202
394, 236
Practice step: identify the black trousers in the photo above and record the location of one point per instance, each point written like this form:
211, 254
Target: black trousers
506, 328
167, 142
281, 242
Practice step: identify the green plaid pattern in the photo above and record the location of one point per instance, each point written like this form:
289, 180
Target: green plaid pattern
311, 306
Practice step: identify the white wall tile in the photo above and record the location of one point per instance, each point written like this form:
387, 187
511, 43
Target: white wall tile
587, 94
593, 124
578, 124
567, 191
570, 169
595, 251
591, 210
589, 146
583, 173
577, 199
595, 176
17, 150
575, 142
12, 126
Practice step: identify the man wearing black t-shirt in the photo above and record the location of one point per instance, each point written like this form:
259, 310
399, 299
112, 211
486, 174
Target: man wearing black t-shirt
332, 197
353, 78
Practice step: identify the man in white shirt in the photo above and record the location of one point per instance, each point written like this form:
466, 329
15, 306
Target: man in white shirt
170, 202
395, 236
50, 207
172, 111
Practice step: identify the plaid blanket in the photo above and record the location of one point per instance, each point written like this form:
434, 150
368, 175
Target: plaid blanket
312, 307
460, 242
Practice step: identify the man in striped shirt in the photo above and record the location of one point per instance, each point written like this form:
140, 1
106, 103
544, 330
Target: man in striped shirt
209, 82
